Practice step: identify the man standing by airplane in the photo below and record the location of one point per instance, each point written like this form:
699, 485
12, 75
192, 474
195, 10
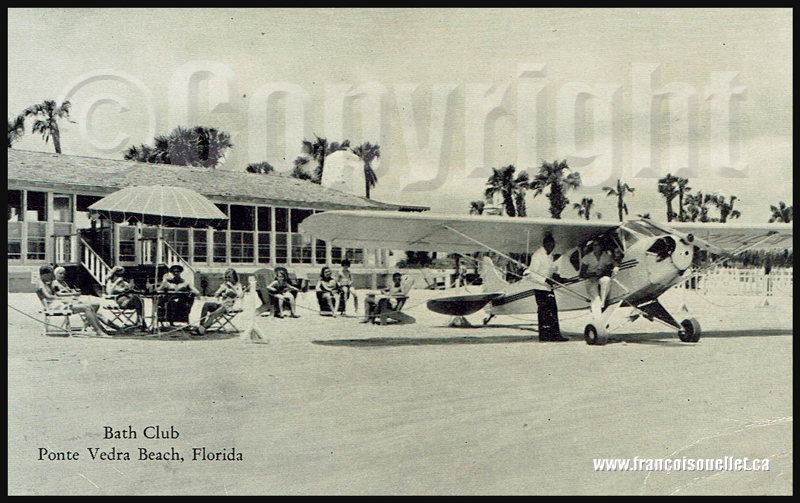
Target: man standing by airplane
540, 272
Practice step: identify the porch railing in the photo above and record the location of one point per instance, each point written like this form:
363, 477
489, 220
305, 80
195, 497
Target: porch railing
93, 263
169, 257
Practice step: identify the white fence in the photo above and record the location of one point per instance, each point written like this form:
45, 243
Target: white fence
730, 281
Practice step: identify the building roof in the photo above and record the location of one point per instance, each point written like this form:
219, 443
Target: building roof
102, 176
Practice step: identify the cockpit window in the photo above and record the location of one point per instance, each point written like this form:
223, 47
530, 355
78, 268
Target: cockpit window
642, 228
628, 238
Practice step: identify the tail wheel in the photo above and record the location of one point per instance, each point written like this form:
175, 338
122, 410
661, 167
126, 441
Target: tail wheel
690, 330
594, 337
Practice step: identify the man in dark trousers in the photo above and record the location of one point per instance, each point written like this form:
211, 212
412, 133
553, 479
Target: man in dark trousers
541, 272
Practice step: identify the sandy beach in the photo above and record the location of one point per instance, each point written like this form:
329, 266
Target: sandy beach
331, 406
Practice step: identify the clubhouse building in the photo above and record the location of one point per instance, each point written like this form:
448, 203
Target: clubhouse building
48, 222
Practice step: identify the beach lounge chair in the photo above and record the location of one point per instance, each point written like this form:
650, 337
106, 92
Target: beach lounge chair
56, 318
325, 309
385, 312
268, 301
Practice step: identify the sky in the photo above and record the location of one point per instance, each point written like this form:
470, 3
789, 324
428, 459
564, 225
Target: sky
447, 93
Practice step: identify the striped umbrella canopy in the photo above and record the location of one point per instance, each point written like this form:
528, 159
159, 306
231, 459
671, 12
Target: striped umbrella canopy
159, 205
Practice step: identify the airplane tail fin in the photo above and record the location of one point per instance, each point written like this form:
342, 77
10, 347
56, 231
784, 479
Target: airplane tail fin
492, 281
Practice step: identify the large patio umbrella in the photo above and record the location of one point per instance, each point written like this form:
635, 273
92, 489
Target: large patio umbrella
159, 205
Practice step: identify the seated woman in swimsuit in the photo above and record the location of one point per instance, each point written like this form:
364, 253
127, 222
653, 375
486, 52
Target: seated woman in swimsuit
329, 290
122, 292
226, 296
54, 298
281, 291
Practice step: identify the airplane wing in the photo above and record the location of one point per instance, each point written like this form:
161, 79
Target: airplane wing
446, 233
729, 236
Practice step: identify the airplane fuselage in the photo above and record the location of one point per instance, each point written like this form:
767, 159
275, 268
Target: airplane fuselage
646, 270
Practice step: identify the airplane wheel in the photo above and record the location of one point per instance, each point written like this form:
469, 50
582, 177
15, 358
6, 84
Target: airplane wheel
691, 330
487, 319
593, 336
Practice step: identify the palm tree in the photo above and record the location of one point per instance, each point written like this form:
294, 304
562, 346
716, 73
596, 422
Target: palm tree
667, 187
318, 150
140, 153
725, 207
368, 152
697, 207
299, 171
477, 207
503, 182
781, 213
522, 184
584, 208
184, 147
260, 167
211, 145
48, 113
683, 189
552, 175
16, 128
619, 192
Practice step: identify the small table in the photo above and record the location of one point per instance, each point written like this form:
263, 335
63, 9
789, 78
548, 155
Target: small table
157, 298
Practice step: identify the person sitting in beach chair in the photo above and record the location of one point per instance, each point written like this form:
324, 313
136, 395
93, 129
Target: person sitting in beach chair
328, 293
345, 280
224, 309
389, 304
281, 292
57, 302
176, 308
126, 303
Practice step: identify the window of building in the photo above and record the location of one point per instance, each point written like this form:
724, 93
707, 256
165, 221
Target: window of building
37, 207
220, 247
15, 206
62, 208
178, 239
264, 218
15, 225
264, 252
241, 246
355, 255
36, 218
82, 204
282, 219
127, 243
301, 249
242, 218
281, 248
37, 235
14, 241
200, 245
321, 252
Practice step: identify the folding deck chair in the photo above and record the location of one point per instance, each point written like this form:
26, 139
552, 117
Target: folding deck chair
226, 320
385, 313
125, 317
61, 312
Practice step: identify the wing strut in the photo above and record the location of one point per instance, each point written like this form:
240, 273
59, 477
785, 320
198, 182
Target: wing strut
727, 257
459, 233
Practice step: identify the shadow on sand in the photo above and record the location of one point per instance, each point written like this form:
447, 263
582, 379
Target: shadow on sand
181, 335
660, 338
426, 341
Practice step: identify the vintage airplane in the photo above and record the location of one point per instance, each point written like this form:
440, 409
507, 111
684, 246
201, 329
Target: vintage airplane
651, 258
